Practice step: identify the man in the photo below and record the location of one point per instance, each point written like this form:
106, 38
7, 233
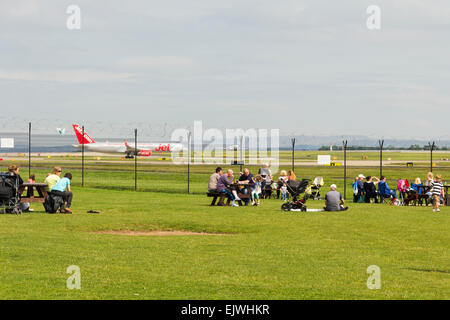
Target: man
334, 200
266, 174
53, 178
59, 189
223, 185
246, 178
359, 188
384, 190
213, 179
13, 170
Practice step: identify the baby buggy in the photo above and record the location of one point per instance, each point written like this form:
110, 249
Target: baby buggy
295, 189
9, 194
315, 188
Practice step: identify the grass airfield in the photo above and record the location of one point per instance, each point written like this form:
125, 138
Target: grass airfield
249, 252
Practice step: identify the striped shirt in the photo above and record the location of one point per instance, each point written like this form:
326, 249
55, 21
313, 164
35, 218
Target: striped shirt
437, 187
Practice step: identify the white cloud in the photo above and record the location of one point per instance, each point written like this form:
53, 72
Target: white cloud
163, 62
66, 76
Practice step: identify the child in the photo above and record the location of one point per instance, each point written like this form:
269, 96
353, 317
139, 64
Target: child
284, 192
437, 190
256, 189
31, 179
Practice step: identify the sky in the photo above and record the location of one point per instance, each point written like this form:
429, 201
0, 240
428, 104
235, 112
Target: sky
305, 67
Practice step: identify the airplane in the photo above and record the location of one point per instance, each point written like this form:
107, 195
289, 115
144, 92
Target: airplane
143, 149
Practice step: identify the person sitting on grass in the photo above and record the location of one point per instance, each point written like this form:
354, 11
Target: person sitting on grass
384, 190
62, 189
334, 200
53, 178
256, 189
224, 185
370, 189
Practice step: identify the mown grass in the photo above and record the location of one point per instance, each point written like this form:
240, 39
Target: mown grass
268, 254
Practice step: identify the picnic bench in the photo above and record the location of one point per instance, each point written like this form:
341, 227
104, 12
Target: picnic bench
221, 195
31, 197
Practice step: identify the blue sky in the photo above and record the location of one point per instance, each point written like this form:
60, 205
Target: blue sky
306, 67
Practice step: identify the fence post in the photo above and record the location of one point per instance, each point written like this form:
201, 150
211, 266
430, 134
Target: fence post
293, 153
381, 143
29, 149
135, 159
432, 146
344, 146
240, 157
189, 158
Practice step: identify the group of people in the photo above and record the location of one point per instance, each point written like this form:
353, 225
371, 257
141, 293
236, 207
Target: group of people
56, 186
60, 187
222, 182
366, 191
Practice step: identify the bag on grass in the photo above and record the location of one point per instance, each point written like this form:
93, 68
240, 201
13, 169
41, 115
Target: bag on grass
6, 192
52, 203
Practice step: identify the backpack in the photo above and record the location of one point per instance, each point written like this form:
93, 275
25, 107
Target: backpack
6, 190
52, 203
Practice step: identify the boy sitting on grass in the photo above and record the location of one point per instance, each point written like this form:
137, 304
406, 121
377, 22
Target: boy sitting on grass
60, 190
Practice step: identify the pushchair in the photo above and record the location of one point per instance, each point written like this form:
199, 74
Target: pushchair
295, 189
315, 188
9, 194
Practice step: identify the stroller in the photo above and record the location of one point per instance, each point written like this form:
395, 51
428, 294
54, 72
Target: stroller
315, 188
9, 194
295, 189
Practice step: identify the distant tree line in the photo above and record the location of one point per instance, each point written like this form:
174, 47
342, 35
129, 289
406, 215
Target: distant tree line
411, 147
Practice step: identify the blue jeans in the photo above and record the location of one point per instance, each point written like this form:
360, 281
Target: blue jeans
228, 192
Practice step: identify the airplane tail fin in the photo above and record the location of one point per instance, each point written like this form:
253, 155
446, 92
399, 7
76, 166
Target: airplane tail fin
79, 132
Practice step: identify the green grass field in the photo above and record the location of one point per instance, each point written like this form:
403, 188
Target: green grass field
258, 253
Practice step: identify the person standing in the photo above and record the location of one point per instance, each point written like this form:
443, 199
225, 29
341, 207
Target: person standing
437, 190
359, 188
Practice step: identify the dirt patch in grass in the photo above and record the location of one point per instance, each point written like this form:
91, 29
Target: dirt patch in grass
159, 233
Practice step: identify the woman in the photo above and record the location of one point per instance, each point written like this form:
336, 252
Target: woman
370, 189
282, 179
291, 176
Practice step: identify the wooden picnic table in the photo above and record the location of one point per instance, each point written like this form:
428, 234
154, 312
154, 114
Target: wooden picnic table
30, 197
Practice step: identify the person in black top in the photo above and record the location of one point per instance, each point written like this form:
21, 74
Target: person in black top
13, 170
370, 189
246, 178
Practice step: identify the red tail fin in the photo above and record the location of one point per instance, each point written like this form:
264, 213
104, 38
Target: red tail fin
79, 132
